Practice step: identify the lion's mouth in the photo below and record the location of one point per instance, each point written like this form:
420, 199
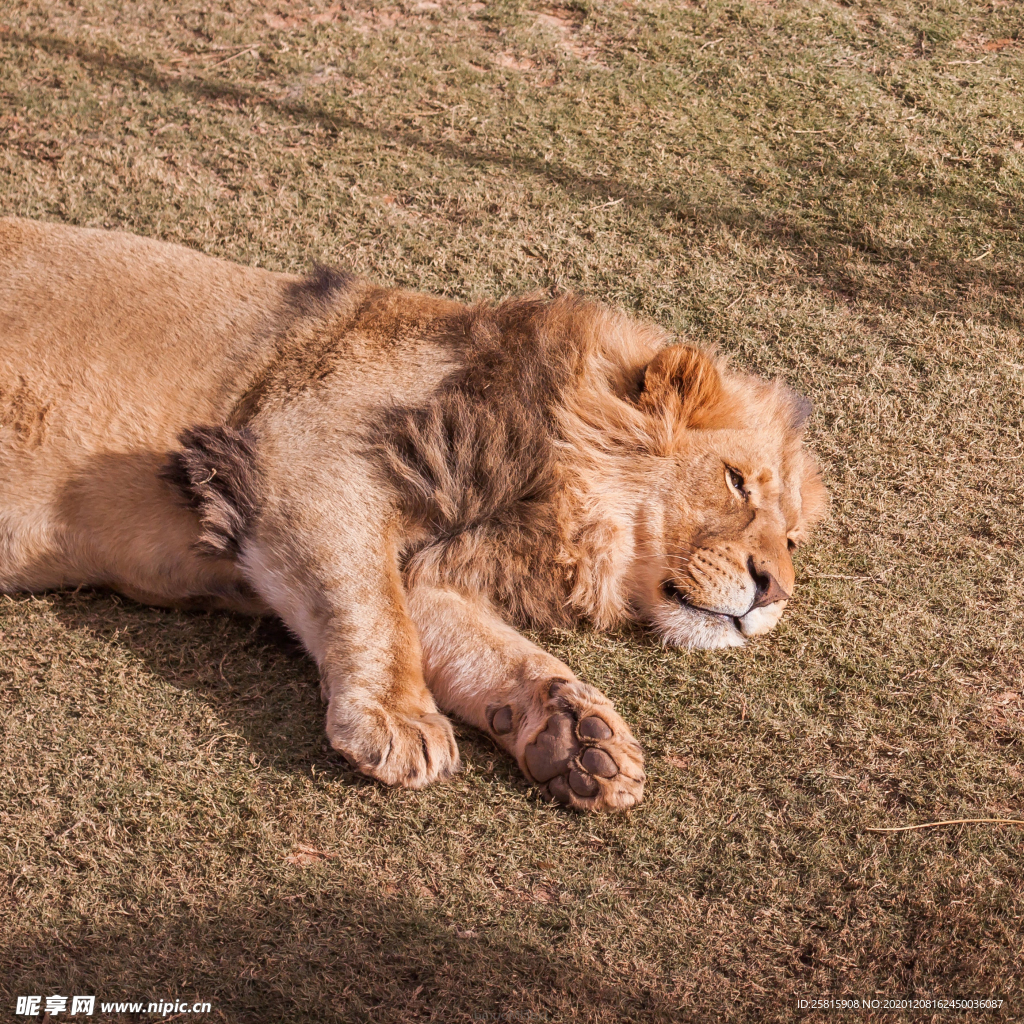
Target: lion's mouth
671, 590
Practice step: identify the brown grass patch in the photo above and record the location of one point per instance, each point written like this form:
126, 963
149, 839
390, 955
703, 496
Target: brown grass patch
821, 189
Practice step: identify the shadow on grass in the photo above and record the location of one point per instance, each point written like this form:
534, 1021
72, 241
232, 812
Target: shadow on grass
329, 954
251, 672
821, 252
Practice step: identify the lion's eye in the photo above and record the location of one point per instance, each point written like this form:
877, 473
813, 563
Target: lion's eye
735, 481
791, 544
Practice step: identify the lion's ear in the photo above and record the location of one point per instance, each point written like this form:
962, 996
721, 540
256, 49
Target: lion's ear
683, 380
800, 408
814, 499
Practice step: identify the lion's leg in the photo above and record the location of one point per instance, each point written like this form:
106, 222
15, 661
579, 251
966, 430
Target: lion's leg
342, 594
564, 734
111, 521
316, 539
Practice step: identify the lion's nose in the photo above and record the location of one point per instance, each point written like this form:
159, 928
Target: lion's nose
767, 587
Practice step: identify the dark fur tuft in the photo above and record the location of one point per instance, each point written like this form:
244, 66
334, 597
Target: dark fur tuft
316, 292
478, 465
216, 471
482, 449
458, 464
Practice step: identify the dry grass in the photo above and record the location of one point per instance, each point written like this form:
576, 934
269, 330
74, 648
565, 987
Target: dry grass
828, 191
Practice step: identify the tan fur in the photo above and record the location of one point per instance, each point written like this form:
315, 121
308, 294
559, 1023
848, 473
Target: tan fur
395, 476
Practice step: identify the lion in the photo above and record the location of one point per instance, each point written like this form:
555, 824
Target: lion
404, 480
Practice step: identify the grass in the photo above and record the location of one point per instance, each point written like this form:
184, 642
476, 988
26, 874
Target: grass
831, 192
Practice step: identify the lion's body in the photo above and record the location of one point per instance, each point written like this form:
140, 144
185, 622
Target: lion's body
111, 346
390, 472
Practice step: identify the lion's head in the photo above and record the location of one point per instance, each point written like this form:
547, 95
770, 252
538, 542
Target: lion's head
578, 465
732, 494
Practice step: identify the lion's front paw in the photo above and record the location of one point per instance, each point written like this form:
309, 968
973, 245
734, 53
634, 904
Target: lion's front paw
574, 747
410, 750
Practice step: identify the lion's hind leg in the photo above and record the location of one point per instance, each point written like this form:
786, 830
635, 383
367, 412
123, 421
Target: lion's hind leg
565, 735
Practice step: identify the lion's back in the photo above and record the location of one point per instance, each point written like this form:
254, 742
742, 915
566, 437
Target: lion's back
113, 345
122, 339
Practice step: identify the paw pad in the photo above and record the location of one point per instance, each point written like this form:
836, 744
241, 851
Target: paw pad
501, 723
550, 753
597, 762
594, 728
582, 784
559, 790
569, 761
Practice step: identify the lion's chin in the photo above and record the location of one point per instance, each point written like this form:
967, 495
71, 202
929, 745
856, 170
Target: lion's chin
762, 620
681, 626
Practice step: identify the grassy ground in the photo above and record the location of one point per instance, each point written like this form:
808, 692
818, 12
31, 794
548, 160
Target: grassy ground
828, 191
